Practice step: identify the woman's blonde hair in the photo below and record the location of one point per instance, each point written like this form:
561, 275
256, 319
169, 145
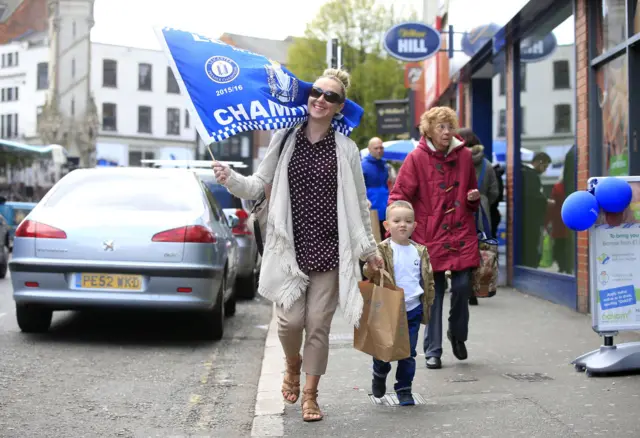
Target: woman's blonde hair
340, 76
438, 114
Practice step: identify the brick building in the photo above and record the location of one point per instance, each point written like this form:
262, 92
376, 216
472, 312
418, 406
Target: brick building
598, 115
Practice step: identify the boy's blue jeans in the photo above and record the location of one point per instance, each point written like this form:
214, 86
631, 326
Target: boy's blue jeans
406, 367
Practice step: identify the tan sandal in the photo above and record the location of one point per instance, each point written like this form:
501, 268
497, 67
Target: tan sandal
291, 381
310, 406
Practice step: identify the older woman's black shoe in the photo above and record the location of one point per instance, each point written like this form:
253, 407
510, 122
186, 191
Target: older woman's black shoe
473, 301
434, 363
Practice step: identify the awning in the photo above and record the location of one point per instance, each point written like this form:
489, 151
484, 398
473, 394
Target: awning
10, 146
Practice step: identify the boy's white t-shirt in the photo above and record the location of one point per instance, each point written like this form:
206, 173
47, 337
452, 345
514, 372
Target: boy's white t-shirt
406, 265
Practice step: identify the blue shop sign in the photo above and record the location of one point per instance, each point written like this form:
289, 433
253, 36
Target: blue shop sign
473, 40
412, 41
536, 49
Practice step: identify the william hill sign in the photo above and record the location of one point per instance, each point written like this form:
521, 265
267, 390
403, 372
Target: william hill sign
412, 41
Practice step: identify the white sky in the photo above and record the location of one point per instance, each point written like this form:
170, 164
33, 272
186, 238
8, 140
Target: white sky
130, 22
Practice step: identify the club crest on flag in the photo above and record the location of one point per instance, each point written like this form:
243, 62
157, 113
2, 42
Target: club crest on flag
230, 90
221, 69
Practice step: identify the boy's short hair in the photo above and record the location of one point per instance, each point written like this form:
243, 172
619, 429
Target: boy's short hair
399, 204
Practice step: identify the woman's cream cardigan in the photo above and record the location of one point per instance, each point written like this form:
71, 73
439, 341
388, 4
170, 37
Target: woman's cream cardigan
281, 280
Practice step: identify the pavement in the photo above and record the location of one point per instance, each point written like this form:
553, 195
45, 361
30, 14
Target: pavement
117, 374
518, 381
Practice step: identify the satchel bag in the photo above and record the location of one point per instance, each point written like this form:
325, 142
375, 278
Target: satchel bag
260, 211
485, 276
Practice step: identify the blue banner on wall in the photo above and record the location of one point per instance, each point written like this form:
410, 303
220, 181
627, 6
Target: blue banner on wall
232, 90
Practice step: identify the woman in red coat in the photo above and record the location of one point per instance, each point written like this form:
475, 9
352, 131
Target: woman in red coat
438, 178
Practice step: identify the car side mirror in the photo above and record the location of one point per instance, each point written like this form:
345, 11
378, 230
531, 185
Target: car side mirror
3, 200
233, 220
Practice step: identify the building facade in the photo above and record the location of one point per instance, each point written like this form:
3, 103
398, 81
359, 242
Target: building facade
49, 79
550, 74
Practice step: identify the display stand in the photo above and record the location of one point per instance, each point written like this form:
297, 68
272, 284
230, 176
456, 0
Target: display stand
614, 284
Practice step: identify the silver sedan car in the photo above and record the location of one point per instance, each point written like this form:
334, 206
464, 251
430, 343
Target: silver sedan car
125, 238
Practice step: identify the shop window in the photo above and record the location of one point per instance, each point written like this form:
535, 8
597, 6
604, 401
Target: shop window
561, 79
613, 100
636, 18
548, 158
136, 157
562, 118
502, 123
503, 84
187, 119
611, 23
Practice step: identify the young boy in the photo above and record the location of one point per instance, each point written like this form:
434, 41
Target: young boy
410, 268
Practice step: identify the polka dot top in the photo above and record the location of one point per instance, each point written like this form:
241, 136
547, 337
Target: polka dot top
313, 183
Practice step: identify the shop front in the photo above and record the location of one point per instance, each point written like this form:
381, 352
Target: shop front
549, 95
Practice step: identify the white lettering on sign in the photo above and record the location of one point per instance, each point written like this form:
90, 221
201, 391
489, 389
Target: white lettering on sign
535, 49
411, 46
238, 113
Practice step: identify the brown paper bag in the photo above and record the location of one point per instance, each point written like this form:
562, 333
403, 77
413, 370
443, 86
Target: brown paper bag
383, 332
375, 225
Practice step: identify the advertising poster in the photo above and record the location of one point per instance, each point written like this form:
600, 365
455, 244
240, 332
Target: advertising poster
615, 256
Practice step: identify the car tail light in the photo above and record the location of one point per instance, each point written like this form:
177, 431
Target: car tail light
184, 290
37, 230
32, 284
190, 234
242, 229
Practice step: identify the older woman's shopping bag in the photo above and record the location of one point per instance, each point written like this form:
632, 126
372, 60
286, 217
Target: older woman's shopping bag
485, 276
383, 331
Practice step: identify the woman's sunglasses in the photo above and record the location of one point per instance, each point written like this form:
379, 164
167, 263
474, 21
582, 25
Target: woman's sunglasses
329, 96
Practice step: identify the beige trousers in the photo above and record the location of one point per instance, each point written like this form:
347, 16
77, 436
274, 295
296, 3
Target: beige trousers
312, 312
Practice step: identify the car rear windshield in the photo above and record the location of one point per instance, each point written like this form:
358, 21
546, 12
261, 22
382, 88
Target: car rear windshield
144, 192
222, 195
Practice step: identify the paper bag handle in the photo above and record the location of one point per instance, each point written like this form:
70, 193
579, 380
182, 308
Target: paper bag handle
385, 274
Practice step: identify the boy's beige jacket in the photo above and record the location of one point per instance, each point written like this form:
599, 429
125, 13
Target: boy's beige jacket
427, 283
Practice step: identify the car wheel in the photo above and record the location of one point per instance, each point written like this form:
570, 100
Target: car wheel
230, 305
246, 287
33, 319
213, 321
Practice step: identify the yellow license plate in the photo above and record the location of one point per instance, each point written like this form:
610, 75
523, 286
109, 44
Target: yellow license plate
110, 281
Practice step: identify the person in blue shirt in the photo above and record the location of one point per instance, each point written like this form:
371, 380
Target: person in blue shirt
378, 174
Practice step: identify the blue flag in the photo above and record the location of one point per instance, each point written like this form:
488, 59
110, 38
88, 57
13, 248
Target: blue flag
233, 90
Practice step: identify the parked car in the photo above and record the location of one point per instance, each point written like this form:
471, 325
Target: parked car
4, 246
125, 238
14, 213
249, 260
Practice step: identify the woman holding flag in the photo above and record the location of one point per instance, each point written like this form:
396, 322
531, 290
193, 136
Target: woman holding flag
317, 229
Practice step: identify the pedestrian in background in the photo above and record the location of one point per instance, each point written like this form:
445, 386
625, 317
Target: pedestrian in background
377, 178
487, 185
438, 178
318, 227
410, 269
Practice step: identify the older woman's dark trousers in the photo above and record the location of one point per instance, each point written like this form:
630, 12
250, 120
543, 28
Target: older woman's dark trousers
461, 290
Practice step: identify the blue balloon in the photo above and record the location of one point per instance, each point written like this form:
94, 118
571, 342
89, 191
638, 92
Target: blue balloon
613, 194
580, 211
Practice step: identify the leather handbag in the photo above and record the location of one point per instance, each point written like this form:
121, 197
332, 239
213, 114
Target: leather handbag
260, 210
